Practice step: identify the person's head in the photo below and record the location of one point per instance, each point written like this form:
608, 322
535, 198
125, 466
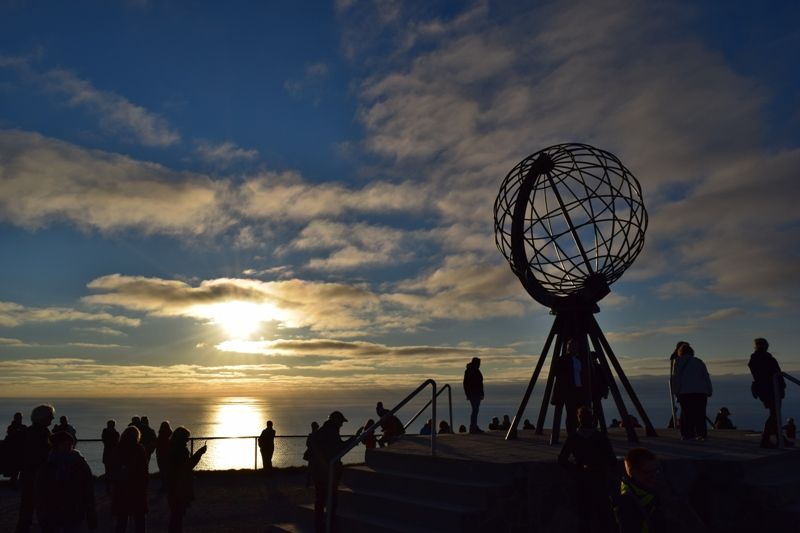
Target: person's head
584, 417
164, 427
314, 426
130, 435
337, 418
43, 415
725, 411
63, 420
369, 423
111, 424
18, 418
145, 421
761, 344
135, 420
476, 362
269, 424
62, 441
180, 435
429, 422
495, 420
462, 428
444, 426
506, 419
641, 466
685, 350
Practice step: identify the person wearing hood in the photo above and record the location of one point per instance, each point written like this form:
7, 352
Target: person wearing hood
763, 367
64, 488
692, 385
473, 389
593, 458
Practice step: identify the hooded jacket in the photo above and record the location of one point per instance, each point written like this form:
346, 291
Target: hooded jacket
473, 382
691, 376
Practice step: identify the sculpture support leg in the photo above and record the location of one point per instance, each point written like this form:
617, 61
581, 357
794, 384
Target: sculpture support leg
548, 389
512, 431
554, 436
623, 411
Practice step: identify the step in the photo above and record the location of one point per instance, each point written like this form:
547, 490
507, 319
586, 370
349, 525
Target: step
415, 511
476, 493
348, 522
442, 468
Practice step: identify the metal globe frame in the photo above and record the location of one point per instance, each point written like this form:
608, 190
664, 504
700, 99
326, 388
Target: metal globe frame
570, 219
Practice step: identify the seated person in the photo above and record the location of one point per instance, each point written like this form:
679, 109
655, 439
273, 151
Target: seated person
494, 424
723, 420
527, 425
444, 427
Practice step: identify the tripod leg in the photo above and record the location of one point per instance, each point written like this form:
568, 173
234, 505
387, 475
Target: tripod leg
512, 431
551, 376
556, 423
623, 411
651, 432
599, 415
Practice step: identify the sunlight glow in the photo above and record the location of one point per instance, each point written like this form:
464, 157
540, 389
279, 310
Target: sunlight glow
239, 319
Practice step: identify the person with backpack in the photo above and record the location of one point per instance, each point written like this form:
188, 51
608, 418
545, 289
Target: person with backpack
764, 368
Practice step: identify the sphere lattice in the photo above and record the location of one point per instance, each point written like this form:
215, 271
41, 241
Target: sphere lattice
584, 220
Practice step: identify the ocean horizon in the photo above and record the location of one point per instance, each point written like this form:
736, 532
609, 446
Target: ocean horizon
246, 416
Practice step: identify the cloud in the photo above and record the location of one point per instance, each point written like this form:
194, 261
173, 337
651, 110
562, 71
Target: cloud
115, 113
676, 328
14, 314
95, 345
225, 153
46, 180
110, 332
311, 82
15, 343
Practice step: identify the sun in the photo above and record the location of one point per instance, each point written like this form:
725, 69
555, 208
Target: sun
239, 320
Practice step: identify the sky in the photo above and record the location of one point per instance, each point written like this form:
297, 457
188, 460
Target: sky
252, 197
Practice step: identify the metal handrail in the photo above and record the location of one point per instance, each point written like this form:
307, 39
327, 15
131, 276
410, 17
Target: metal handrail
776, 390
359, 437
449, 403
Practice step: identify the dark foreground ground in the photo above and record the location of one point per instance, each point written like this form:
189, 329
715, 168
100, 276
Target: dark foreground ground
239, 500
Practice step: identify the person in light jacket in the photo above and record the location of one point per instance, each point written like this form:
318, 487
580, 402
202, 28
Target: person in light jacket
692, 385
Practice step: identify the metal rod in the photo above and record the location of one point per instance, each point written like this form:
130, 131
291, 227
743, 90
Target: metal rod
572, 229
512, 431
551, 376
424, 407
556, 433
612, 385
671, 395
255, 453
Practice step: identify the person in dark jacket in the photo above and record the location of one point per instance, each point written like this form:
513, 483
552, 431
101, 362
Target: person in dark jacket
64, 488
129, 483
593, 457
391, 427
148, 438
573, 376
64, 425
692, 385
638, 506
370, 440
764, 367
473, 389
307, 453
326, 444
180, 486
723, 419
35, 452
266, 443
162, 451
110, 438
13, 448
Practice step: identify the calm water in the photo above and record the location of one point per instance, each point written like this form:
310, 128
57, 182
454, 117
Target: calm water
247, 416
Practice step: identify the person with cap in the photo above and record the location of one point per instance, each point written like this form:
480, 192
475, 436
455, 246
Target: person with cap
723, 419
64, 488
327, 443
35, 452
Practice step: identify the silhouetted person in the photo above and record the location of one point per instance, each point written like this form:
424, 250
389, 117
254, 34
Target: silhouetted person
763, 367
614, 423
148, 438
64, 425
592, 458
473, 389
572, 378
672, 358
392, 427
462, 428
162, 451
426, 429
444, 427
110, 438
632, 420
527, 425
637, 507
34, 455
307, 453
789, 432
370, 440
180, 485
13, 447
136, 422
266, 443
494, 425
692, 385
64, 488
326, 444
506, 424
129, 485
723, 419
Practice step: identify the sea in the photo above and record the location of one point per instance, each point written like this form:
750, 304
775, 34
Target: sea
241, 418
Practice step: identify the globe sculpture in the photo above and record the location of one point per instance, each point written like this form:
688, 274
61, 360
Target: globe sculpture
570, 220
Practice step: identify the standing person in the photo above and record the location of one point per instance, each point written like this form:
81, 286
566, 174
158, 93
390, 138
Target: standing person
64, 488
763, 367
638, 506
266, 443
13, 447
180, 486
110, 438
593, 458
572, 379
34, 455
148, 438
129, 486
307, 453
162, 452
473, 389
692, 385
326, 444
64, 425
672, 358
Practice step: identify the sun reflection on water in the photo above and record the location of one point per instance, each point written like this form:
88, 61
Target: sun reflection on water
233, 417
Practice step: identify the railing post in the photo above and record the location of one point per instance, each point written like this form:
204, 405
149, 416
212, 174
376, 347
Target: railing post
255, 454
434, 427
450, 402
776, 391
191, 444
